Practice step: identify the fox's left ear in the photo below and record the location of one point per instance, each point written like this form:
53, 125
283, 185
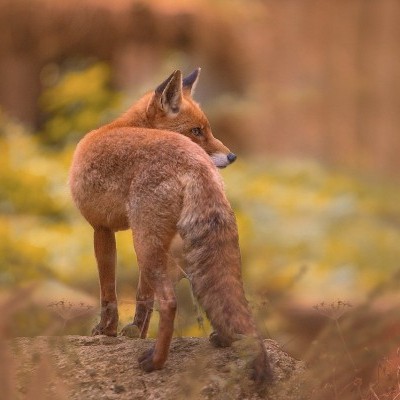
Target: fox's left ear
190, 82
169, 93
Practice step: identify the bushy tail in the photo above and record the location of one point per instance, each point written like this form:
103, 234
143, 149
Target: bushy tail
209, 232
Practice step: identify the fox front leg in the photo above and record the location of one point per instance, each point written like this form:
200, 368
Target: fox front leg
105, 251
144, 309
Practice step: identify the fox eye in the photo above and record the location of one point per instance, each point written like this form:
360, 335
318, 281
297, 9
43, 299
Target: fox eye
197, 131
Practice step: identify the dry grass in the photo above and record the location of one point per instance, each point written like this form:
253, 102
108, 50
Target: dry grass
355, 357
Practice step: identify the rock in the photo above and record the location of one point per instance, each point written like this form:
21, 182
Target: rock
80, 367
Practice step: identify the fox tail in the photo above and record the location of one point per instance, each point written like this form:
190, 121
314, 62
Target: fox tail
208, 228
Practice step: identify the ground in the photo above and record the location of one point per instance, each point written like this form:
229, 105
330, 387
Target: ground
100, 367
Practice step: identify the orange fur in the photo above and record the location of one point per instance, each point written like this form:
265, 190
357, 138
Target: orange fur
142, 172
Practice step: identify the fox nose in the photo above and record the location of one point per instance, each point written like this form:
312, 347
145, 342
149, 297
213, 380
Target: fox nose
231, 157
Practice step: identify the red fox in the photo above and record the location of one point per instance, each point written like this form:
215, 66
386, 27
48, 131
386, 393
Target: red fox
151, 171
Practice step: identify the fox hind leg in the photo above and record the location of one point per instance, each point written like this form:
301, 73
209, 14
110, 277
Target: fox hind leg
152, 258
156, 357
105, 251
145, 294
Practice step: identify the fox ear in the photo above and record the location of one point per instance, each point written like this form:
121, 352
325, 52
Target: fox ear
190, 82
169, 93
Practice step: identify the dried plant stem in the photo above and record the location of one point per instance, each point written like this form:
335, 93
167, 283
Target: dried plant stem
398, 383
339, 329
197, 308
374, 393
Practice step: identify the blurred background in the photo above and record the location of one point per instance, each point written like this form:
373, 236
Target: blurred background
306, 93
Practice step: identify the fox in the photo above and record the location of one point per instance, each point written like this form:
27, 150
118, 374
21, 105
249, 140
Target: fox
154, 171
148, 112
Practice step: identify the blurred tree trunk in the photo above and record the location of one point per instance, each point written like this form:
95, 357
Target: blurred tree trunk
18, 91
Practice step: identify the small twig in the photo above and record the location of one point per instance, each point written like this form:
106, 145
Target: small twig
398, 376
199, 318
398, 382
339, 329
397, 395
373, 392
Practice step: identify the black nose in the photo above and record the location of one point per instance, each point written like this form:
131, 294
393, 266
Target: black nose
231, 157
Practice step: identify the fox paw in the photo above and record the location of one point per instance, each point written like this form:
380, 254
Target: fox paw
131, 331
146, 361
108, 320
100, 329
218, 341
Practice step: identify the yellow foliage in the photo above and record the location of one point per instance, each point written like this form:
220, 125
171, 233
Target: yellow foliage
303, 228
81, 101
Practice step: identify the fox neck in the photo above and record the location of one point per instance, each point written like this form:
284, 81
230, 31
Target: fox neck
136, 116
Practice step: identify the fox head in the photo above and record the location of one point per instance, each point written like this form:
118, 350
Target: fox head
171, 107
